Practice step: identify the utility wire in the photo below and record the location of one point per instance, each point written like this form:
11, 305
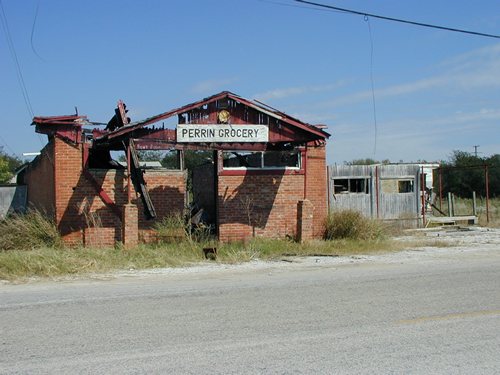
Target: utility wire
33, 32
373, 87
8, 147
398, 19
16, 61
297, 6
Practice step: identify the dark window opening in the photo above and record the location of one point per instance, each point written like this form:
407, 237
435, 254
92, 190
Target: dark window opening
405, 186
261, 160
282, 159
351, 185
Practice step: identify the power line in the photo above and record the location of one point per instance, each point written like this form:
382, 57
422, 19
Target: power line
281, 3
373, 87
33, 31
7, 146
13, 53
398, 19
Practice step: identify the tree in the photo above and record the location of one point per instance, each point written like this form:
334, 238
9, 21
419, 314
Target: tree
367, 161
8, 165
5, 174
464, 173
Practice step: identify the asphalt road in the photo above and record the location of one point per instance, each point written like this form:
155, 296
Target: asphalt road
421, 315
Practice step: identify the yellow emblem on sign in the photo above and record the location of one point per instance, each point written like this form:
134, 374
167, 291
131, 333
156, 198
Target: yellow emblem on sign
223, 116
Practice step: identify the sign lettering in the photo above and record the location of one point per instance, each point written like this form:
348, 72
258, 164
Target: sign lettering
222, 133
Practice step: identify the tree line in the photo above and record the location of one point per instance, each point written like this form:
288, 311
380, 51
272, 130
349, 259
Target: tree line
465, 172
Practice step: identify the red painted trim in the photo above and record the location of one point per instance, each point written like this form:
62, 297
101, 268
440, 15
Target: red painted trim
422, 192
85, 155
283, 117
377, 203
261, 172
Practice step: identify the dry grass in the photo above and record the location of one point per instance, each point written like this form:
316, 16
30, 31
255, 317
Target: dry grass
28, 231
19, 265
171, 229
38, 259
352, 225
53, 262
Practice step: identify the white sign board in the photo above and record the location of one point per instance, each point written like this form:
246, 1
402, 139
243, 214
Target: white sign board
222, 133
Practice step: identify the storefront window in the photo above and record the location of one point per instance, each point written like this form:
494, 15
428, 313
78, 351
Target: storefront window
261, 160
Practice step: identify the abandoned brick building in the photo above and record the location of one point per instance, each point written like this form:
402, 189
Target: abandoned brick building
267, 175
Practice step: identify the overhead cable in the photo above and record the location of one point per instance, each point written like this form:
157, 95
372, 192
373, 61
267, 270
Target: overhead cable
13, 53
325, 6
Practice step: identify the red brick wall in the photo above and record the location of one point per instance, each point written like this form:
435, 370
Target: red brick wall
81, 215
69, 191
260, 205
39, 178
316, 189
167, 189
264, 206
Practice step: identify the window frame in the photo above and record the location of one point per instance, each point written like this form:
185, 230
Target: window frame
263, 167
366, 190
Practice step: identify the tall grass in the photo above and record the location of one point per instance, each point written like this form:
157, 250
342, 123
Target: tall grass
352, 225
28, 231
40, 254
171, 229
54, 262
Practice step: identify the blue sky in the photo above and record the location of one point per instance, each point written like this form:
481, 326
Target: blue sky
435, 91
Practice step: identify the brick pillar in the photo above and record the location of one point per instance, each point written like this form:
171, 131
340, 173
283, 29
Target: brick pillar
130, 225
304, 220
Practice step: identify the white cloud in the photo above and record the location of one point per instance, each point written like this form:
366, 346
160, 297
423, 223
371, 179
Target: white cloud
407, 88
281, 93
478, 69
315, 118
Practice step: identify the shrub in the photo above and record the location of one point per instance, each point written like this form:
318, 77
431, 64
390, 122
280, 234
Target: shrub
28, 231
353, 225
171, 228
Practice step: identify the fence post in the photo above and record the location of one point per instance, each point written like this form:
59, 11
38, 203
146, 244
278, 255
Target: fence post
377, 191
474, 206
440, 189
487, 183
450, 206
422, 192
